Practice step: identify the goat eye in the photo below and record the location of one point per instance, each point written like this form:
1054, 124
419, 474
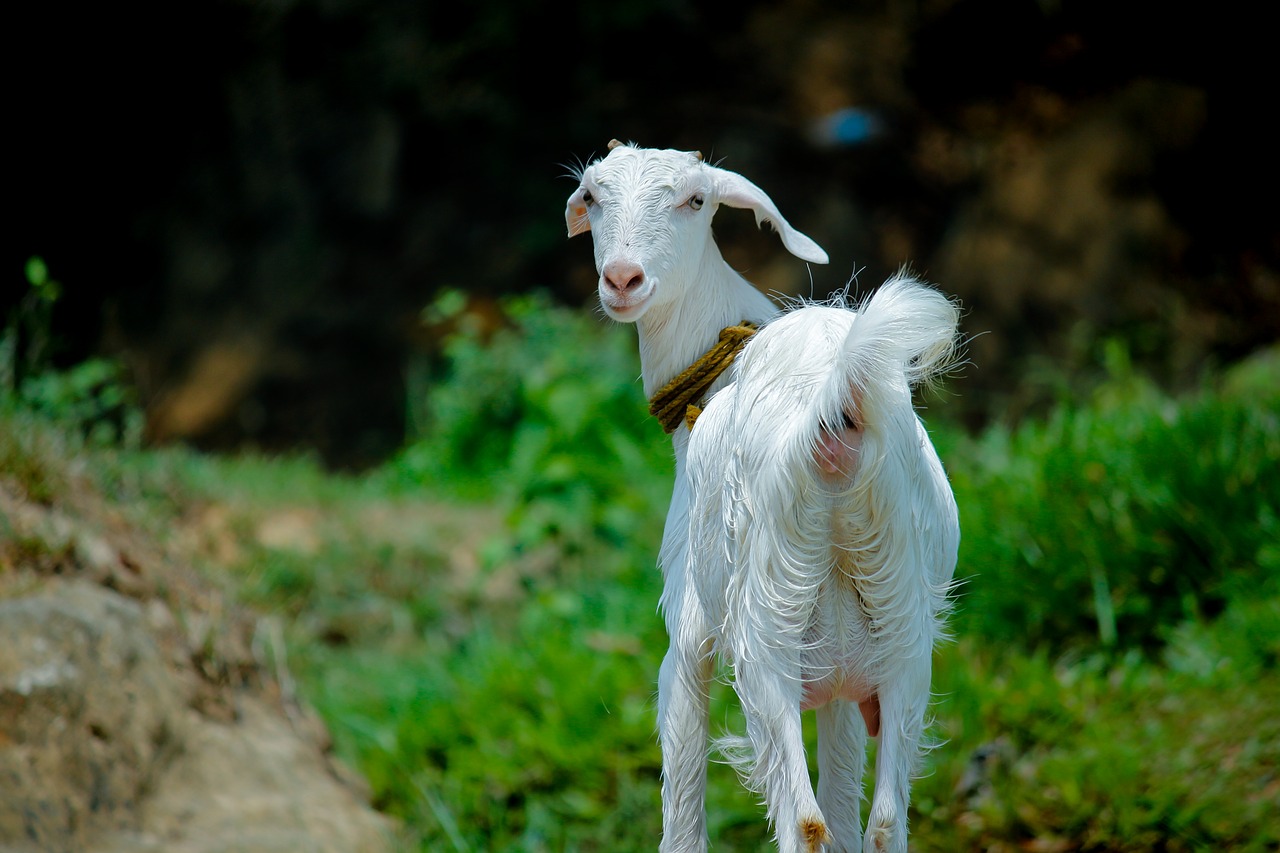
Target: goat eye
850, 422
695, 201
587, 197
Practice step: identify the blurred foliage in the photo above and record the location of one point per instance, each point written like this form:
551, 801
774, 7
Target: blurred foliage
93, 396
477, 621
32, 453
1120, 565
26, 340
548, 414
1107, 754
304, 174
1113, 520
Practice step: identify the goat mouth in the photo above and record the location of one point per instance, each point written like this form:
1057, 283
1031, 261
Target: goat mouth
626, 308
624, 312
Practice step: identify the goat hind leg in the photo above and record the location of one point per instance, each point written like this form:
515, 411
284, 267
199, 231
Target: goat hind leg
842, 756
683, 730
771, 703
903, 703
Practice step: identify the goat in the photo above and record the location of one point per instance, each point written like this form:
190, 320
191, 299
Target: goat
811, 535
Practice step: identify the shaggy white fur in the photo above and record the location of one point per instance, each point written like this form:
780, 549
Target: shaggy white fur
823, 538
823, 534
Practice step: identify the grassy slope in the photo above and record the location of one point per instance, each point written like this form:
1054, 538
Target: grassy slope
488, 662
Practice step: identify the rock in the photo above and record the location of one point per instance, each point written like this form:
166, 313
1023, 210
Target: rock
88, 716
251, 787
100, 753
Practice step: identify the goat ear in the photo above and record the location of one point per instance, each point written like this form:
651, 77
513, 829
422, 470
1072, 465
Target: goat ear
575, 213
736, 191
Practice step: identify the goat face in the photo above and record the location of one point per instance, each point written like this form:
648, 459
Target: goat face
649, 211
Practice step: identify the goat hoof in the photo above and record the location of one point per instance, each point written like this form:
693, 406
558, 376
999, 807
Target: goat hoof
814, 833
885, 840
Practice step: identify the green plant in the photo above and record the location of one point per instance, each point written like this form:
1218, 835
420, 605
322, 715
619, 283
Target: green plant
33, 454
1100, 753
26, 344
489, 666
549, 415
1111, 522
93, 396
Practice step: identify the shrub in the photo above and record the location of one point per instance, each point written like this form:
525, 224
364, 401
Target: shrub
1111, 522
92, 397
549, 415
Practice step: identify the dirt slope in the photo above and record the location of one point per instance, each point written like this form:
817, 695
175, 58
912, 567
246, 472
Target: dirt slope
141, 709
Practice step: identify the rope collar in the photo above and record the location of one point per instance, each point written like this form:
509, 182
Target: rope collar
680, 400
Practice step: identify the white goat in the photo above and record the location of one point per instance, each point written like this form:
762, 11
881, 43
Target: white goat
812, 534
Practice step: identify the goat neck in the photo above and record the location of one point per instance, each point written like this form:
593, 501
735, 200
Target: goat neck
649, 212
675, 334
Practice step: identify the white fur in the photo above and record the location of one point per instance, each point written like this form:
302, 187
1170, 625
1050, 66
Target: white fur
813, 553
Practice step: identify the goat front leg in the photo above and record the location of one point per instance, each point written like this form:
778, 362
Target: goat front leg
683, 726
771, 704
903, 702
842, 759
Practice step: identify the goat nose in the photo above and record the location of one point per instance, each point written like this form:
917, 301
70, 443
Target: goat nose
623, 276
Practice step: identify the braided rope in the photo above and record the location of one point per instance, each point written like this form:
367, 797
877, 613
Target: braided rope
679, 400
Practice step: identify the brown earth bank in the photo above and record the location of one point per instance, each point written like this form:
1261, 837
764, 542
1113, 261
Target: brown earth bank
142, 709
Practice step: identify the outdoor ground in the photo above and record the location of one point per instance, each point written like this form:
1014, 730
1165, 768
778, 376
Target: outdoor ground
458, 651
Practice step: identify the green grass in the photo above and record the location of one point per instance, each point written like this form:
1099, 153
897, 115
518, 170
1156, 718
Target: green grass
477, 621
1111, 522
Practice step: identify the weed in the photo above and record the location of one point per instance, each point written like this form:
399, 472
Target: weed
1112, 686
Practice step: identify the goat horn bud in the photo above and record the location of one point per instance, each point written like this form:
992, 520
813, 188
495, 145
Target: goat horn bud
613, 143
698, 154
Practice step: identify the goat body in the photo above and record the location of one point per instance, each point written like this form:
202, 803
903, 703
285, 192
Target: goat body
812, 534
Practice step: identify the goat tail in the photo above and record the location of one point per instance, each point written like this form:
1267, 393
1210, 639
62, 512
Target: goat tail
905, 325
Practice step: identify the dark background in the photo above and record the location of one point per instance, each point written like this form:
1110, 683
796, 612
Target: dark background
250, 203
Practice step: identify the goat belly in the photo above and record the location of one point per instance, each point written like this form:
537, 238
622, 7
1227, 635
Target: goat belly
837, 686
839, 663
